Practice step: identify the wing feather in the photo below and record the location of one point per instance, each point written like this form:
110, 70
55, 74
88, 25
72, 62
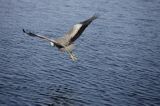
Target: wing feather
37, 35
72, 32
78, 29
42, 37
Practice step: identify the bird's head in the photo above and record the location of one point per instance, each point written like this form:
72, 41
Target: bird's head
52, 44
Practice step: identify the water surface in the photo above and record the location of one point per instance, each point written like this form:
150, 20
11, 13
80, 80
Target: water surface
119, 54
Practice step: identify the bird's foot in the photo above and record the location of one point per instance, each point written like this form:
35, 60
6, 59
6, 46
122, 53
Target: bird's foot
73, 57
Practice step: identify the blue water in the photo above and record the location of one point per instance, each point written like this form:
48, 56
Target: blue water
118, 54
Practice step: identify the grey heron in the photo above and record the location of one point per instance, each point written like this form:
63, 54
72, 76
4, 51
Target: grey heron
66, 43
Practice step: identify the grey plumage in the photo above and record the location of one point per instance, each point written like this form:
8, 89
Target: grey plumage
65, 43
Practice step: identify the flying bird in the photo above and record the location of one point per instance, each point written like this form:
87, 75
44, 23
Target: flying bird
66, 43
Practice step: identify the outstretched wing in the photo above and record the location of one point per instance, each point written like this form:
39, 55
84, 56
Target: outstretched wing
42, 37
36, 35
78, 29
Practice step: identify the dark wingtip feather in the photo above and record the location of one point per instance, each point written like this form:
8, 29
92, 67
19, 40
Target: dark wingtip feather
29, 33
88, 21
23, 31
95, 16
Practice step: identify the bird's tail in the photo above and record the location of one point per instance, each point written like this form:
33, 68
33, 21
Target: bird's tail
70, 47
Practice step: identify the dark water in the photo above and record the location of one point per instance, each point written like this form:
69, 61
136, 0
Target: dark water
119, 54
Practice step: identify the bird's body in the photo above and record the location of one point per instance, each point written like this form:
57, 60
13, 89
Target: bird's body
66, 43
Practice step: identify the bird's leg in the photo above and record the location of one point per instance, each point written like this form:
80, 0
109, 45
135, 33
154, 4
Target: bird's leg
72, 56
